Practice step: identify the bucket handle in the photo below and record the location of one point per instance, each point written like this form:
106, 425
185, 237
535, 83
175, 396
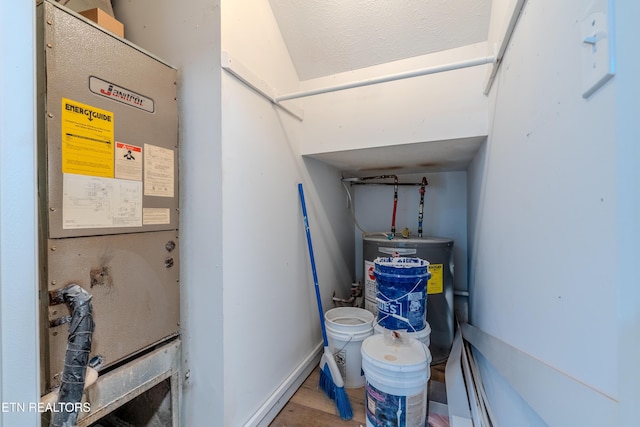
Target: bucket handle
396, 316
344, 346
397, 251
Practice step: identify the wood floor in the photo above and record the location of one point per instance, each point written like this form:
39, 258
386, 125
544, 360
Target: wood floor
310, 407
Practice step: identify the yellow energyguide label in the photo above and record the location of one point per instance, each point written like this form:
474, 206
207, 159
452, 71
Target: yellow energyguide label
435, 283
87, 140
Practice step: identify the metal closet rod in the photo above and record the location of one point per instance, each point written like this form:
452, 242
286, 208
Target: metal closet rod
399, 76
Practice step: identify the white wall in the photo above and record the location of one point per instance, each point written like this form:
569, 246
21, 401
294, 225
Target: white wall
187, 35
502, 12
429, 108
628, 210
19, 369
270, 315
543, 205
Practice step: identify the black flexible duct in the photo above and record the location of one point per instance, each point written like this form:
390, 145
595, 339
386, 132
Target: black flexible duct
76, 357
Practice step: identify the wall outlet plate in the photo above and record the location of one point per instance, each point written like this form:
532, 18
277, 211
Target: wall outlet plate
597, 38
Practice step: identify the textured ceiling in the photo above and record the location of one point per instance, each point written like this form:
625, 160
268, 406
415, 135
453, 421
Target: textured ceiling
326, 37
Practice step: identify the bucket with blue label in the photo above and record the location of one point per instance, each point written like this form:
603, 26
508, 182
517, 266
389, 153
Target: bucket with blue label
401, 292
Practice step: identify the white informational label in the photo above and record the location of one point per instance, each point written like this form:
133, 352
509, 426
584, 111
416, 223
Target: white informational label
155, 216
95, 202
370, 285
128, 161
158, 171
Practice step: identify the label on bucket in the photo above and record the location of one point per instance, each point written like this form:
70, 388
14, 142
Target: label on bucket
341, 361
435, 283
385, 409
415, 307
398, 309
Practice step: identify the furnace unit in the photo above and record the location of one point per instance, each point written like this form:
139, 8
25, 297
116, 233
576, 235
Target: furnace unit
108, 191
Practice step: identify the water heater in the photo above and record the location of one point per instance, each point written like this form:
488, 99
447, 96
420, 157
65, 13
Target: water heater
439, 253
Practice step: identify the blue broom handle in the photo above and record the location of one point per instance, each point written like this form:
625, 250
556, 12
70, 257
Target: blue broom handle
313, 265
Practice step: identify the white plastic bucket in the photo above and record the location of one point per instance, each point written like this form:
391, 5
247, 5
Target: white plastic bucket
396, 381
423, 335
346, 328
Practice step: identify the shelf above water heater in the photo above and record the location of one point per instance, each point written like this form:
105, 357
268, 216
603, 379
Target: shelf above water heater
418, 157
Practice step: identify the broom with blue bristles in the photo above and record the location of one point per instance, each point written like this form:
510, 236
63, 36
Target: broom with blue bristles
330, 378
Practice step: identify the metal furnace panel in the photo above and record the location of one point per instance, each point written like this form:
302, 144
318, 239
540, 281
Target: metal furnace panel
134, 282
111, 132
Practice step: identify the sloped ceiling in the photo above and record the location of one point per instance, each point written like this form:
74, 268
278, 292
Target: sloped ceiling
326, 37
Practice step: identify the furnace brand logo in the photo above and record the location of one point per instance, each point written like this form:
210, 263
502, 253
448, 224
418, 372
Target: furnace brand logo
120, 94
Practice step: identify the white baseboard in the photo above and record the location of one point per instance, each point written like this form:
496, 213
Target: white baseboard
272, 406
